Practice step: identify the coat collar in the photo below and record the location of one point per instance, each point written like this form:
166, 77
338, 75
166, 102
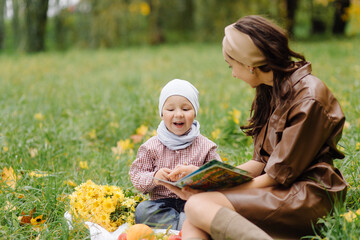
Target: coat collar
301, 72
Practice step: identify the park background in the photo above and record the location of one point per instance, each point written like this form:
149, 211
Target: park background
80, 82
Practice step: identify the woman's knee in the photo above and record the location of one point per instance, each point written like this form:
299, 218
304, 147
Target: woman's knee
200, 204
200, 209
194, 203
202, 201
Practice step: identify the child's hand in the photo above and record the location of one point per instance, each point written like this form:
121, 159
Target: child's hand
162, 173
181, 171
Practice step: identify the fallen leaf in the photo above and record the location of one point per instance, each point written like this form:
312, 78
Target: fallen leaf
26, 219
37, 221
8, 177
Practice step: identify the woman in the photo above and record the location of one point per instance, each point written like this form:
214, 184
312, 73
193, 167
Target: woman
296, 123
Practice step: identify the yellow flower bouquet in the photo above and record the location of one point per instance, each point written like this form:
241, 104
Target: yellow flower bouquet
107, 206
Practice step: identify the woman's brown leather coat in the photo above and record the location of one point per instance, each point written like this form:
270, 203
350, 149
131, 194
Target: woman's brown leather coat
298, 146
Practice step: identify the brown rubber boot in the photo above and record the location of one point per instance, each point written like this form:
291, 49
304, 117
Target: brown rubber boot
229, 225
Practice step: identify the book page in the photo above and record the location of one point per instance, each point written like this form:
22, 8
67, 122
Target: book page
165, 181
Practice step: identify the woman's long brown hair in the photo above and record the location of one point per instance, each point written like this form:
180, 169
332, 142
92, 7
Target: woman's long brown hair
273, 43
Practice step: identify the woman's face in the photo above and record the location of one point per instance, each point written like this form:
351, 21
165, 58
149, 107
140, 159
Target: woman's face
242, 72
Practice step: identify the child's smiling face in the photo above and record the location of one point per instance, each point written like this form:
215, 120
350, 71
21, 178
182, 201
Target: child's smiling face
178, 114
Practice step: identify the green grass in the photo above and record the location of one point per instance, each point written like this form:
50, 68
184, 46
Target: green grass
89, 100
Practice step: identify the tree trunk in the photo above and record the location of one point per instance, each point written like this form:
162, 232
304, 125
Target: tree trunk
339, 22
2, 23
16, 24
318, 24
36, 16
291, 6
187, 16
59, 28
155, 29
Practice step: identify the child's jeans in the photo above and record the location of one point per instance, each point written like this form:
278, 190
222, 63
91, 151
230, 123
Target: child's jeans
161, 213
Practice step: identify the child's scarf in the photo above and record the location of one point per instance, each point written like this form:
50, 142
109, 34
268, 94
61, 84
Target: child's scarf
175, 142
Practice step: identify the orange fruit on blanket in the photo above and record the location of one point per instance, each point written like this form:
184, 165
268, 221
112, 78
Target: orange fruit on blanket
140, 232
174, 237
122, 236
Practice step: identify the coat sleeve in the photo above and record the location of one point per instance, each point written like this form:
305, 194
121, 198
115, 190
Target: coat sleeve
142, 171
308, 127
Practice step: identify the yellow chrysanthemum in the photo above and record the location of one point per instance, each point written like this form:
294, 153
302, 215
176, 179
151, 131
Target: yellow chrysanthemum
122, 146
90, 193
142, 130
236, 116
92, 134
96, 204
114, 125
357, 146
129, 202
39, 116
108, 205
84, 165
358, 212
70, 183
144, 8
103, 217
349, 216
107, 189
118, 196
216, 133
102, 204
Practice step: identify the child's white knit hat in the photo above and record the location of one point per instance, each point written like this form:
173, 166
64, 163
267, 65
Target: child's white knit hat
181, 88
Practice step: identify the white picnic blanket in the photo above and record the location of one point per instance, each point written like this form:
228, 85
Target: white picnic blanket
99, 233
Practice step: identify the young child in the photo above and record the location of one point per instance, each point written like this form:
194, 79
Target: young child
178, 143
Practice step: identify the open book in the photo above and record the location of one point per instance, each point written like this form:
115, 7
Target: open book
213, 175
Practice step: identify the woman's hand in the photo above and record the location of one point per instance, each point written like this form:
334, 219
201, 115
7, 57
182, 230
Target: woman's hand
162, 173
184, 193
181, 171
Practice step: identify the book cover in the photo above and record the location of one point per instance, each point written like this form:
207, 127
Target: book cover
213, 175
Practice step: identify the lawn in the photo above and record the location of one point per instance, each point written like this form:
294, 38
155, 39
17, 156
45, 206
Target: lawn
67, 117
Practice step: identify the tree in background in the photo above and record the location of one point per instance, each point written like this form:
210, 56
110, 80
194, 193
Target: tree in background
114, 23
156, 33
291, 7
339, 20
36, 18
59, 28
171, 20
2, 25
353, 14
319, 13
323, 10
16, 32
